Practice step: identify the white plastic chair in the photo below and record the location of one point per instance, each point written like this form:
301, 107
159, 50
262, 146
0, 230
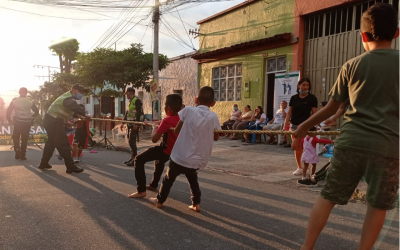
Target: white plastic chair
117, 133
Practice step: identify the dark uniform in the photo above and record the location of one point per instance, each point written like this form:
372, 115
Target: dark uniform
54, 122
133, 112
22, 120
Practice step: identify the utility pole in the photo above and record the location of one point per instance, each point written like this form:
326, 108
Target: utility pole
156, 19
38, 66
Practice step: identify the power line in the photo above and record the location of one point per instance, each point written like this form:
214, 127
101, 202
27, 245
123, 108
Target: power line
87, 19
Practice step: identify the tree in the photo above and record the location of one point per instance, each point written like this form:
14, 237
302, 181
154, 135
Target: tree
131, 66
67, 50
50, 91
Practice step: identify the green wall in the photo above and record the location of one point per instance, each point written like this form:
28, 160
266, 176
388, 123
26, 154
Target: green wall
258, 20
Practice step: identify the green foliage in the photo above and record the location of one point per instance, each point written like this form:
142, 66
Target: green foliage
50, 91
119, 68
67, 50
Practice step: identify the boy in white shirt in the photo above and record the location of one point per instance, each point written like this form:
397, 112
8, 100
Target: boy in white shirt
192, 148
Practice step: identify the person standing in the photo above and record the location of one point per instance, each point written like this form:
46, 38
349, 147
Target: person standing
58, 114
22, 120
133, 112
301, 107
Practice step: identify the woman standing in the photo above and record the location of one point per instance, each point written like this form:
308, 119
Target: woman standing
301, 107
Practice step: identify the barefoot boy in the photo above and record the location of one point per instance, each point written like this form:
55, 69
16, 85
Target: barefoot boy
158, 154
193, 146
369, 141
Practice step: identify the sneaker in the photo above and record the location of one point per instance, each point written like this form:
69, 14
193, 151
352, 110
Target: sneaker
74, 169
306, 182
299, 171
76, 160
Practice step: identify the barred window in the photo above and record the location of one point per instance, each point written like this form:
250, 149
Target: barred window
276, 64
227, 83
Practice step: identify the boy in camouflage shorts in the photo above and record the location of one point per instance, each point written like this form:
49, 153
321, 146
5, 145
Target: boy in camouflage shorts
369, 141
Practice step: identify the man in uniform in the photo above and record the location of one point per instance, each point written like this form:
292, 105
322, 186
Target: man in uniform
133, 113
58, 114
22, 120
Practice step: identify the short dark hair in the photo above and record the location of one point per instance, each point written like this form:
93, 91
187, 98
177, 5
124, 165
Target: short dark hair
130, 89
205, 95
78, 87
379, 22
174, 101
304, 80
23, 89
313, 129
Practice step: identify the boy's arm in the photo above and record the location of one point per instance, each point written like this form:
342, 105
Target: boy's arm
216, 136
155, 136
178, 127
329, 110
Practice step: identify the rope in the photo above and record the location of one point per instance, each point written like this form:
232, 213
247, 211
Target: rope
257, 132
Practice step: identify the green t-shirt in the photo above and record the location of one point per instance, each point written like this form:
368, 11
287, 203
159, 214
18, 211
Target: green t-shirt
371, 123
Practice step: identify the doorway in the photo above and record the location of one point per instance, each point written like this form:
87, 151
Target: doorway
269, 109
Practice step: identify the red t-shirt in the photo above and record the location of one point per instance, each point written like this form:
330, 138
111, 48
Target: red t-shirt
169, 137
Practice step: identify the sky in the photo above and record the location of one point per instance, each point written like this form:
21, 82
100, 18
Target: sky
25, 37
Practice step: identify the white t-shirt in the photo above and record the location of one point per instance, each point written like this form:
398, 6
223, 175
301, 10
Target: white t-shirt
262, 116
279, 119
194, 144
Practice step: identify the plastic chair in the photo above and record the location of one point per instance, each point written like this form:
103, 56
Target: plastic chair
259, 127
119, 134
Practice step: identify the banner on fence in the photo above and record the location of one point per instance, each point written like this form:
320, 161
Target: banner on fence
37, 134
285, 87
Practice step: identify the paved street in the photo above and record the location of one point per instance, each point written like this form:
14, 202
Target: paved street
242, 207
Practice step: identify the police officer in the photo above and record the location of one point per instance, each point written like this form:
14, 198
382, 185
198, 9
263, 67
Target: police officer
58, 114
134, 111
23, 120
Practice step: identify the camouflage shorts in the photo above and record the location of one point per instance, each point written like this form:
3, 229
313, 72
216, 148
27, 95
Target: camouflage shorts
348, 167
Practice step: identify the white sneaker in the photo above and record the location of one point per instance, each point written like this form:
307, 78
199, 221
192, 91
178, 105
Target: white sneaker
76, 160
299, 171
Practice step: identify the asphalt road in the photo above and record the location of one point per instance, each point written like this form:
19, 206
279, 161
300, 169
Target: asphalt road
90, 210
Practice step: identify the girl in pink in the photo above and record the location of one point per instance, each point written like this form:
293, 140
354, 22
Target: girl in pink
310, 155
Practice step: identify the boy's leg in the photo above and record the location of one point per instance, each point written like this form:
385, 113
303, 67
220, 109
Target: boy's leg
382, 176
173, 171
323, 168
158, 169
340, 184
305, 169
318, 218
191, 175
150, 154
373, 223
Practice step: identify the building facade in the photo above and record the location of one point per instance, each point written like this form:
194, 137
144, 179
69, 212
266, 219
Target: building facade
180, 76
242, 48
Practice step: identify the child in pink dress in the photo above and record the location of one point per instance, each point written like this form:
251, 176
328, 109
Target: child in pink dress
310, 155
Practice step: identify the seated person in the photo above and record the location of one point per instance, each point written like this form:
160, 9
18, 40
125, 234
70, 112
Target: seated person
277, 121
242, 121
235, 114
259, 117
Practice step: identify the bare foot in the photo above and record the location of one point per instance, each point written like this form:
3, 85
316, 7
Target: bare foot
150, 188
195, 207
155, 202
137, 195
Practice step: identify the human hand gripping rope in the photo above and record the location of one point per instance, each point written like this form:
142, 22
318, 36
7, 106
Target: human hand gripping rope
259, 132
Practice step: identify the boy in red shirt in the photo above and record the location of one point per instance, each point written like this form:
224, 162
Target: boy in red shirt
159, 154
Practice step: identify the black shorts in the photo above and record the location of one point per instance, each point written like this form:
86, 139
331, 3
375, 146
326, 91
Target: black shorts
81, 140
